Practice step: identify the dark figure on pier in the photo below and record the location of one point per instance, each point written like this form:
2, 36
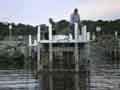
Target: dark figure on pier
75, 18
53, 25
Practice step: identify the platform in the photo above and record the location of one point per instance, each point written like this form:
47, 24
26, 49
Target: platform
63, 41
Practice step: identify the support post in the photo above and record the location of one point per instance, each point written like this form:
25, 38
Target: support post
38, 34
10, 32
116, 35
50, 32
88, 36
76, 31
39, 65
93, 36
51, 82
50, 57
29, 53
85, 32
30, 40
76, 67
77, 86
76, 58
50, 48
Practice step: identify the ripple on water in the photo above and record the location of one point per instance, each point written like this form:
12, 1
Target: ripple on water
17, 80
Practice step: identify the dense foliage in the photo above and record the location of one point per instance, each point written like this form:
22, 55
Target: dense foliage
19, 29
62, 27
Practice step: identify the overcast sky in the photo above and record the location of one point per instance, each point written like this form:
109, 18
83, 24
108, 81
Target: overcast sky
36, 12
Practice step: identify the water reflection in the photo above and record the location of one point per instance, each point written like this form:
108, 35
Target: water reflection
17, 80
63, 81
103, 73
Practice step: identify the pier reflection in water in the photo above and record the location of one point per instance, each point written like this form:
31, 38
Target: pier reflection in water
104, 74
64, 81
104, 70
65, 74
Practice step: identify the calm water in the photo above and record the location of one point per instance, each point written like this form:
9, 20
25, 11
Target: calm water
17, 80
103, 75
104, 72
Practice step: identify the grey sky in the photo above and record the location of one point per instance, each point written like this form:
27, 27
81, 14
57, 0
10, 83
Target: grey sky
38, 11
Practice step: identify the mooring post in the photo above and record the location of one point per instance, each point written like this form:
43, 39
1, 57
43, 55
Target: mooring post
30, 46
38, 34
76, 67
76, 31
50, 49
76, 59
50, 58
10, 32
50, 32
39, 65
84, 32
30, 40
76, 49
29, 51
116, 35
88, 36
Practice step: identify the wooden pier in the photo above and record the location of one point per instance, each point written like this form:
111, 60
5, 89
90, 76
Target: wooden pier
60, 59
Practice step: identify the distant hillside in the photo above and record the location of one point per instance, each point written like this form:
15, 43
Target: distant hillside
106, 26
19, 29
62, 27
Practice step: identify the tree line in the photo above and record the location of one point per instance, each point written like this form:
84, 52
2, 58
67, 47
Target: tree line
62, 27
